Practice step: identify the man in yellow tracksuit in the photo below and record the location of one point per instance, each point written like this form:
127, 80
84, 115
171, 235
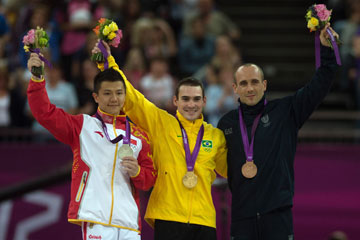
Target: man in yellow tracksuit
180, 207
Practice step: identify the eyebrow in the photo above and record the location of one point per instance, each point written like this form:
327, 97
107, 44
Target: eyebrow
109, 90
185, 96
251, 80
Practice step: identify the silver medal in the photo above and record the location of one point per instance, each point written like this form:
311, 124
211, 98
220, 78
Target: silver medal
125, 151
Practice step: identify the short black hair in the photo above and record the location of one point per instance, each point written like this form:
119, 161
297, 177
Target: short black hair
109, 75
189, 81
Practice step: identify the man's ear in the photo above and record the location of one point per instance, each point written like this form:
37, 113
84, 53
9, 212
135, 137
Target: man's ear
175, 100
234, 87
265, 84
96, 97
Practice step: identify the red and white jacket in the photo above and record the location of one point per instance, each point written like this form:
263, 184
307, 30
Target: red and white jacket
101, 192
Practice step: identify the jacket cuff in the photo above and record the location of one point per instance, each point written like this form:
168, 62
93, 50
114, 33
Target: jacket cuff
37, 80
327, 55
111, 61
137, 174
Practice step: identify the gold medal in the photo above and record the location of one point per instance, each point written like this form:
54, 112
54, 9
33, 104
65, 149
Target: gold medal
190, 180
125, 151
249, 169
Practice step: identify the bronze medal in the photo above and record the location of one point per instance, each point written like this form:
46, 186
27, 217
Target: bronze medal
249, 169
190, 179
125, 151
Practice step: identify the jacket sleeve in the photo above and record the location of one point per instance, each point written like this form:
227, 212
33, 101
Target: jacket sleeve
65, 127
139, 109
221, 155
306, 99
146, 176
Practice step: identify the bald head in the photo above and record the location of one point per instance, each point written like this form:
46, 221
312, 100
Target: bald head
249, 84
256, 69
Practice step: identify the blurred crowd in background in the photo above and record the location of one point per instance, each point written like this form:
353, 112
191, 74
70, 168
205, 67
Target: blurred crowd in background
164, 41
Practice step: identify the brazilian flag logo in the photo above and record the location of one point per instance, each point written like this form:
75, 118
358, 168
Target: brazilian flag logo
206, 143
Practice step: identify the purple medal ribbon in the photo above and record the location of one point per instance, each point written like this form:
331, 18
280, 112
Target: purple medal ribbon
105, 54
191, 158
118, 138
317, 48
37, 51
249, 150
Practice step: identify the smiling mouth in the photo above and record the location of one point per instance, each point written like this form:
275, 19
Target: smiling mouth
191, 111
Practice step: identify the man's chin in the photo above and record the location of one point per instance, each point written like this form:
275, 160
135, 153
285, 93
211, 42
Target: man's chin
191, 117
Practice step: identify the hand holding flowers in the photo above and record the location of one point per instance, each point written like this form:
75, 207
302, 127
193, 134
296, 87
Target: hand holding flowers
108, 31
35, 40
318, 21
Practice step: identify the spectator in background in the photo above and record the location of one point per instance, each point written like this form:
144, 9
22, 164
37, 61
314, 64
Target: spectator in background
85, 52
154, 37
179, 10
216, 22
158, 84
85, 89
219, 92
226, 54
130, 12
135, 67
79, 21
4, 36
196, 49
354, 69
41, 16
12, 103
60, 93
347, 29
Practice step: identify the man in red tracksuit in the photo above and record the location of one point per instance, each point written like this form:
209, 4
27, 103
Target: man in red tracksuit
112, 157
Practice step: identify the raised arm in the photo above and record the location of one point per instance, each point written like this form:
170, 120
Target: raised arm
140, 110
310, 96
63, 126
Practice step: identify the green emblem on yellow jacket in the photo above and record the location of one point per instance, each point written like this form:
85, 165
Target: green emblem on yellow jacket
207, 145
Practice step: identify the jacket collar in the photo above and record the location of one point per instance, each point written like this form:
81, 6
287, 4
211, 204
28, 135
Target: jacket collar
109, 118
253, 110
186, 123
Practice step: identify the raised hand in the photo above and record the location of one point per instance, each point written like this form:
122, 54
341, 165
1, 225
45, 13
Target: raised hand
34, 61
96, 48
325, 37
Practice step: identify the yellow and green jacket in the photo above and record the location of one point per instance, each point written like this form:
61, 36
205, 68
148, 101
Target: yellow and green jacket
170, 200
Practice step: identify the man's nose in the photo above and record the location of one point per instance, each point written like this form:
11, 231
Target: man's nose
113, 97
191, 104
250, 88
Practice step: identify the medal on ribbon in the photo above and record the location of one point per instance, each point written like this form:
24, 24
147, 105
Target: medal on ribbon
190, 178
125, 150
249, 169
